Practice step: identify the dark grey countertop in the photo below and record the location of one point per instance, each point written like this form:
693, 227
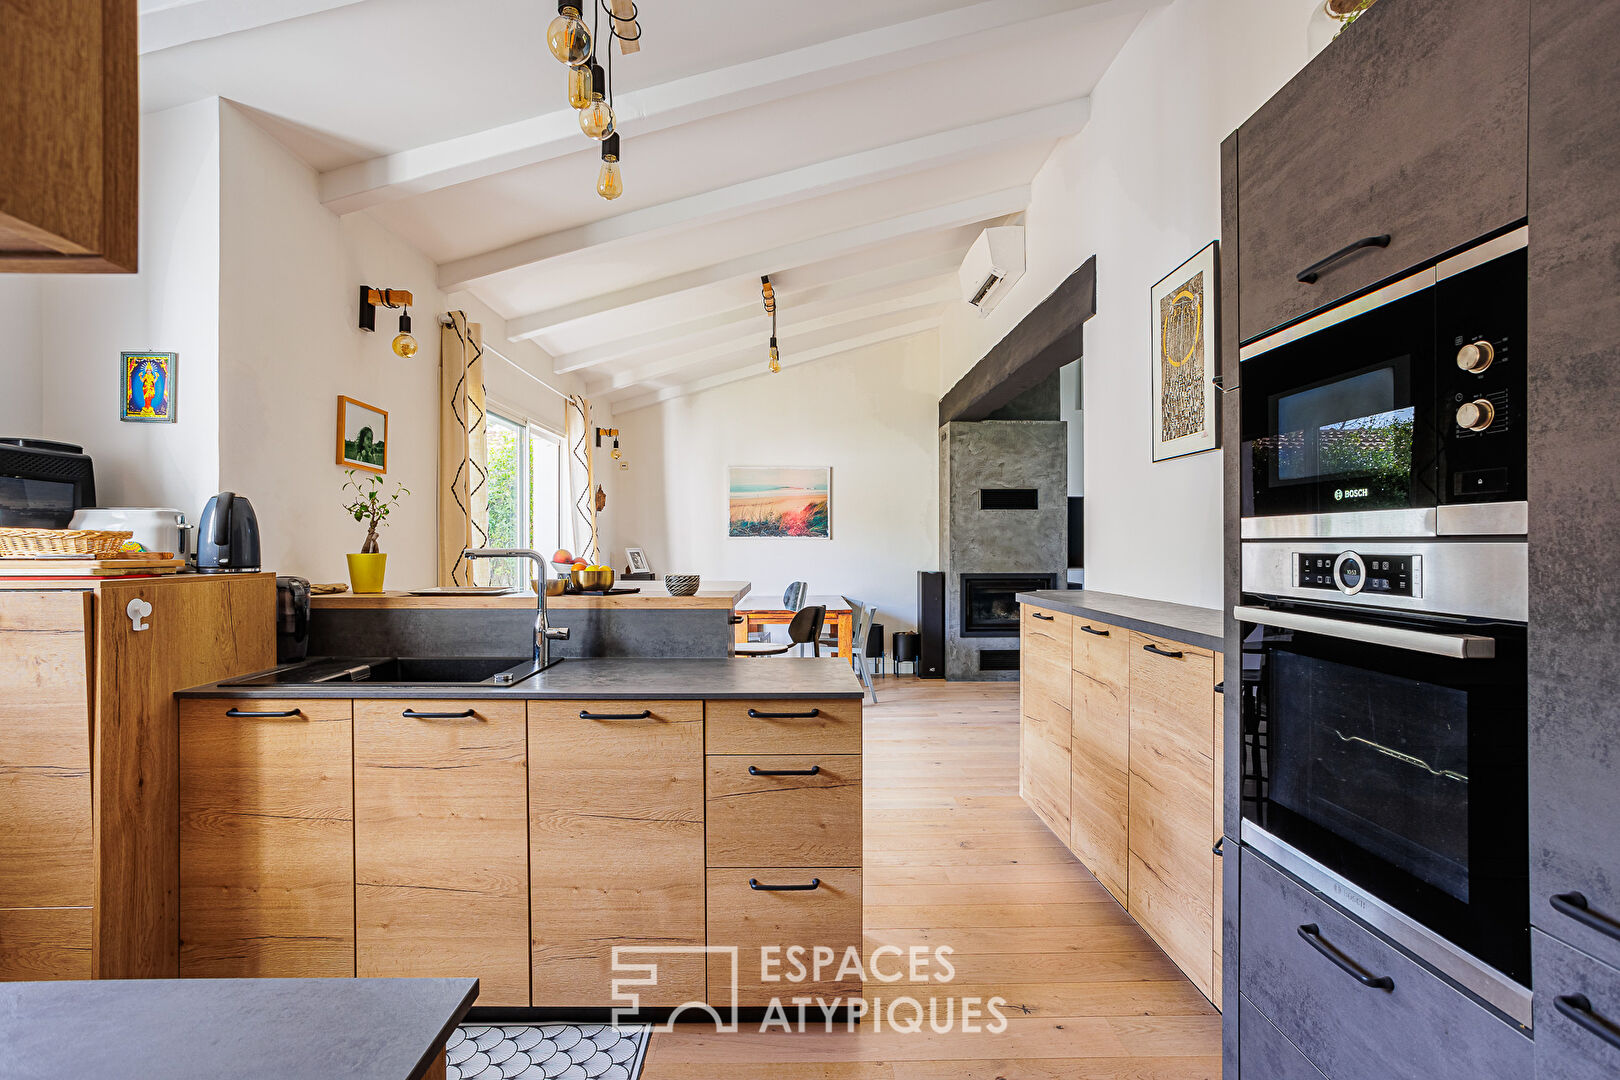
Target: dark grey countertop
246, 1029
1201, 627
607, 678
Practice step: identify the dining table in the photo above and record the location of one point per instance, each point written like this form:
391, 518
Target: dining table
755, 613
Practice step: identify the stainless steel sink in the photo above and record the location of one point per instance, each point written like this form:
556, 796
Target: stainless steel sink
400, 671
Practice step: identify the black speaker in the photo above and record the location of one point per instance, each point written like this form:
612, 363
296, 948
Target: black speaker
931, 624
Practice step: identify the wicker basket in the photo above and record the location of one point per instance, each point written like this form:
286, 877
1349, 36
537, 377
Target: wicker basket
26, 543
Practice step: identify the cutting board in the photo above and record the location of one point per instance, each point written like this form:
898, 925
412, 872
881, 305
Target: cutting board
88, 567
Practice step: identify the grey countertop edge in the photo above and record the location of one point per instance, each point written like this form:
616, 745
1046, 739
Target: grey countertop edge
1203, 628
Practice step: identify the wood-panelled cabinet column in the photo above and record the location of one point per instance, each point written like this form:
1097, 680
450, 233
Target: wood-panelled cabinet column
266, 838
1171, 881
1099, 755
441, 843
1043, 745
616, 846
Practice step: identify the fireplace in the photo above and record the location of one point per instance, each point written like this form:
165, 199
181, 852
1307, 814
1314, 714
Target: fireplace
989, 602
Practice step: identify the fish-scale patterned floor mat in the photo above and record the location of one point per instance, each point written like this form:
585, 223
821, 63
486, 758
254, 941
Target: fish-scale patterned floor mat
546, 1052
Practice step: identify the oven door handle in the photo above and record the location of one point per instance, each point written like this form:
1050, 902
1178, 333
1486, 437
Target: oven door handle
1456, 646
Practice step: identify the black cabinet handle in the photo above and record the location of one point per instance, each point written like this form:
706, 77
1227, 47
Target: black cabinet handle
1309, 275
1219, 850
1313, 937
755, 770
815, 883
1220, 687
1043, 618
738, 620
1575, 906
755, 714
1098, 633
1172, 654
412, 714
273, 715
1578, 1007
644, 714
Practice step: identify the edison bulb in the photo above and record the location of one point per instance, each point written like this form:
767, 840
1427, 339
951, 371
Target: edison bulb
776, 358
579, 86
404, 346
567, 37
596, 119
609, 184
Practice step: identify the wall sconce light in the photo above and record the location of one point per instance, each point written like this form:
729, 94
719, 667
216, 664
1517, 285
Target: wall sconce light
609, 433
370, 299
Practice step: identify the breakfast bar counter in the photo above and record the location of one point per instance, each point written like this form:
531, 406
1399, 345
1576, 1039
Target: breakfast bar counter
649, 595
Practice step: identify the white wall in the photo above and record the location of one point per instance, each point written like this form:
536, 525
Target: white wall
1139, 187
22, 402
172, 305
872, 414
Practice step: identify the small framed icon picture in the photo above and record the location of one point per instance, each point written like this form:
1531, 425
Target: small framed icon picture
148, 387
636, 559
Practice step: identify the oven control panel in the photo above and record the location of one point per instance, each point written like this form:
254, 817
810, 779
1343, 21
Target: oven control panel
1351, 573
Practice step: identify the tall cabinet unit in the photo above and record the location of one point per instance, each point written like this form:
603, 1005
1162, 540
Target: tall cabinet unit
1574, 510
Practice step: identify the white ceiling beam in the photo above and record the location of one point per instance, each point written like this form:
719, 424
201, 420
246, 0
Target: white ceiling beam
801, 332
756, 369
779, 189
775, 260
888, 280
747, 85
164, 24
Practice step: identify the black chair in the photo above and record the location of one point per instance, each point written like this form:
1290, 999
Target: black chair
805, 629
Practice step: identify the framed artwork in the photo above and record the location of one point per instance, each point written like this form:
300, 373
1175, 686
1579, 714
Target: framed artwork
636, 559
148, 389
774, 500
1186, 407
362, 435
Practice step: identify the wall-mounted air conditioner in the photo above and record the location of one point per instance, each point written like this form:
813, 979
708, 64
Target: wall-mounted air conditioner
993, 263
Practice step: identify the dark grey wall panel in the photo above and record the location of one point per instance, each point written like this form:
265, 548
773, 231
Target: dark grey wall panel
1422, 1028
1575, 468
1565, 1048
1227, 335
510, 632
1411, 124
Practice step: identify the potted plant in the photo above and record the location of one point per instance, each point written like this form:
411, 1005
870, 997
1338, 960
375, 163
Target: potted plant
368, 505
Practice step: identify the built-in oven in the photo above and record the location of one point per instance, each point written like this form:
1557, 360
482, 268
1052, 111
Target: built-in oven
1384, 730
1396, 413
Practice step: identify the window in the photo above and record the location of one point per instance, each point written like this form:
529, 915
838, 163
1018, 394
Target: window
525, 493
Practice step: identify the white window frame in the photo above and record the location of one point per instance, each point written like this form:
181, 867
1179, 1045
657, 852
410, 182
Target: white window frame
529, 430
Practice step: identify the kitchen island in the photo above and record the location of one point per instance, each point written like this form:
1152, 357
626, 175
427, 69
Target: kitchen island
647, 622
540, 837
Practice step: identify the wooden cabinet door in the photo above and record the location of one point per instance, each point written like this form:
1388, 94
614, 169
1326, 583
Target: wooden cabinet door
1043, 762
1171, 883
1412, 124
266, 838
1099, 753
441, 843
1218, 722
784, 810
616, 848
776, 917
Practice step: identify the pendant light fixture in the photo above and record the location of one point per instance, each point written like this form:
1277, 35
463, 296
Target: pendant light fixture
596, 118
567, 37
609, 184
579, 86
770, 309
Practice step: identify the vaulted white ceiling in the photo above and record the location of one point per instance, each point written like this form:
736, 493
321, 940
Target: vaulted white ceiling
850, 150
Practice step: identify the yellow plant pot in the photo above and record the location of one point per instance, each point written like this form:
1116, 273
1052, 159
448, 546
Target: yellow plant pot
366, 572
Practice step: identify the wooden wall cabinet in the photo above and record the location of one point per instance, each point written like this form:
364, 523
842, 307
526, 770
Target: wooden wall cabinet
616, 847
69, 122
441, 843
266, 838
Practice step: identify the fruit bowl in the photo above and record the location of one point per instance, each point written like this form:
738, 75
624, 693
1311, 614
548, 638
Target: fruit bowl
599, 580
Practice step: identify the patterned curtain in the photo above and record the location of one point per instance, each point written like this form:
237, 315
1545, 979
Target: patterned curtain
463, 487
581, 479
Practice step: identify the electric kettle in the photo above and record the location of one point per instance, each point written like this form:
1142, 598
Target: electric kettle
228, 536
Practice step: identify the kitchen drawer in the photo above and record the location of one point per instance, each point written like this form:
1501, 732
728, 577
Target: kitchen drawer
266, 838
1574, 994
1099, 752
784, 726
1266, 1053
616, 848
441, 843
1419, 1026
763, 810
1412, 124
44, 943
761, 922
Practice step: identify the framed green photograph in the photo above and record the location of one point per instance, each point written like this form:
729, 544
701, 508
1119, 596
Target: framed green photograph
362, 435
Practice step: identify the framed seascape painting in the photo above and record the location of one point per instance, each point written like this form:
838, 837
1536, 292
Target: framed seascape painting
774, 500
148, 388
362, 435
1186, 410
